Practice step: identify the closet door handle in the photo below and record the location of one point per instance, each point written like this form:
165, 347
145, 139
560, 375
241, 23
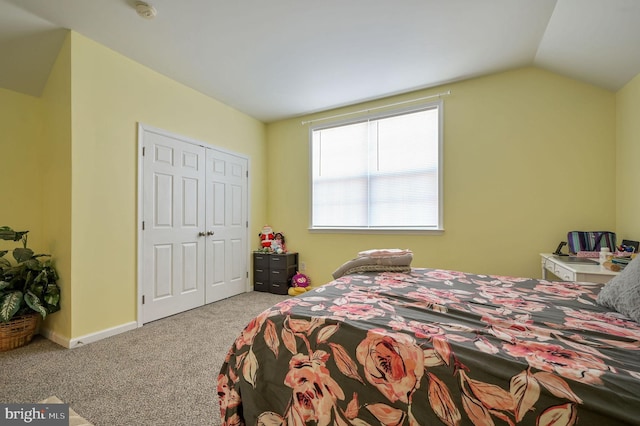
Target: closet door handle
210, 233
202, 234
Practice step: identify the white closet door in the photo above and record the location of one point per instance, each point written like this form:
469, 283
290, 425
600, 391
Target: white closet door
173, 251
226, 223
194, 207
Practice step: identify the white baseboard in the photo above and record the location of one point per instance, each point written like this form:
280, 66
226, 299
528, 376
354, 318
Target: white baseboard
88, 338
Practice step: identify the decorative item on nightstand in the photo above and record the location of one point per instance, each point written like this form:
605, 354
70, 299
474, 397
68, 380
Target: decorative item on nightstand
277, 245
266, 237
271, 242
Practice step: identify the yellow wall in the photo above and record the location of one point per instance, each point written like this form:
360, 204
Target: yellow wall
36, 170
56, 184
110, 95
628, 152
510, 140
20, 173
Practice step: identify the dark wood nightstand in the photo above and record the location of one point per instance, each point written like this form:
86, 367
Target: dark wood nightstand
273, 272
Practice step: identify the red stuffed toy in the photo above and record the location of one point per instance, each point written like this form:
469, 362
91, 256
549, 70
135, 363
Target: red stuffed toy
266, 236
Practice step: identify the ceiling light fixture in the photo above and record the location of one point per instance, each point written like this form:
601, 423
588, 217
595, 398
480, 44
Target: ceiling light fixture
146, 10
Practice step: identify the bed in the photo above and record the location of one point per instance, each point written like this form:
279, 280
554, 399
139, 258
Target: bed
431, 347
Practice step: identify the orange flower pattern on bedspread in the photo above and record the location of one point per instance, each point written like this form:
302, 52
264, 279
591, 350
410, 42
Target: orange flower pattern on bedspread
434, 347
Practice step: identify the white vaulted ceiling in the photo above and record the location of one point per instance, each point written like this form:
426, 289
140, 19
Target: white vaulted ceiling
274, 59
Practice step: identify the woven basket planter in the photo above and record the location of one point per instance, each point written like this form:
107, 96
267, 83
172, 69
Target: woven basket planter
18, 332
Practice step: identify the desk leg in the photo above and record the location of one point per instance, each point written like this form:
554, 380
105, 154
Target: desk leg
544, 270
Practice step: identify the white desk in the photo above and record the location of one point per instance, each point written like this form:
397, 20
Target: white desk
593, 273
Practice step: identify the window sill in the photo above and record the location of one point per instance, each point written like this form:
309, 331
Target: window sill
402, 231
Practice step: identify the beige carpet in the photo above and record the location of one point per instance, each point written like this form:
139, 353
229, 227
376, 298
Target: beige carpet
74, 418
162, 374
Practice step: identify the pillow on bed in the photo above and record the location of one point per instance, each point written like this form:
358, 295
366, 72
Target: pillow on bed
403, 260
377, 268
384, 252
622, 293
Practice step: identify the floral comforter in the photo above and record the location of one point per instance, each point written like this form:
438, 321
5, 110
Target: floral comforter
435, 347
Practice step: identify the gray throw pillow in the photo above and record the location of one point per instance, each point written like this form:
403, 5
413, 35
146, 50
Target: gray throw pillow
622, 293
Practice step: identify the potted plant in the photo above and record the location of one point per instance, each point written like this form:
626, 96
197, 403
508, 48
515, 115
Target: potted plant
28, 287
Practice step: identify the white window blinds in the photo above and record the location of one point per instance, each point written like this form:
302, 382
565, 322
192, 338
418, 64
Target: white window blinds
381, 173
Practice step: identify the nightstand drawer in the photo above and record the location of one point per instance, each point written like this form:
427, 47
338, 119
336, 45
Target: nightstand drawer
261, 274
563, 273
280, 279
279, 287
261, 260
282, 274
549, 266
283, 261
261, 285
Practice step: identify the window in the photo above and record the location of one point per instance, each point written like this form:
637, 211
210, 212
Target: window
381, 172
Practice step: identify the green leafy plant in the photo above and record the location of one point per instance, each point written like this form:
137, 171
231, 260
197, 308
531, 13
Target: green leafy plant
29, 284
